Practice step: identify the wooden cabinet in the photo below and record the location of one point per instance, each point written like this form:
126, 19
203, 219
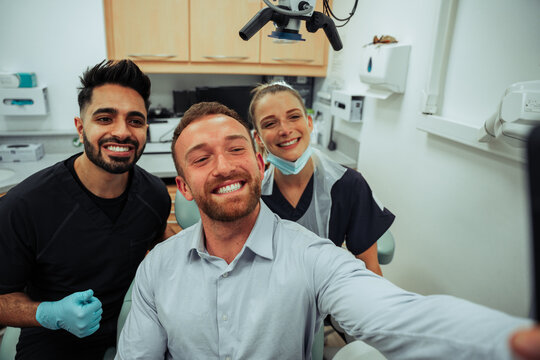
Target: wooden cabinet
201, 37
214, 31
148, 30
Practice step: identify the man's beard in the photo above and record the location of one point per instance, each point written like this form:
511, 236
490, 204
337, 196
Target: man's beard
117, 165
231, 210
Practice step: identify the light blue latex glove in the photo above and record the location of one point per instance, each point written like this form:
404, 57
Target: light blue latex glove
78, 313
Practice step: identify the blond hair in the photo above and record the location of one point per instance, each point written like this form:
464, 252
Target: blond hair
271, 88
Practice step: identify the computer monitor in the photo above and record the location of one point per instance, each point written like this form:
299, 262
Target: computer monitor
182, 100
234, 97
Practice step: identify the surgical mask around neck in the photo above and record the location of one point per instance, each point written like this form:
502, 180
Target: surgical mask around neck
290, 167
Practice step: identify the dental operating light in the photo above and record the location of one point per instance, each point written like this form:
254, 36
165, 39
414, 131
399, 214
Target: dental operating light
287, 17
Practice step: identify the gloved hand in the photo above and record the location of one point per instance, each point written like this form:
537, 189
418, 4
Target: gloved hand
78, 313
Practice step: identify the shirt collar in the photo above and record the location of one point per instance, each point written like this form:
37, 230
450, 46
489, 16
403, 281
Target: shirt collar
197, 242
261, 238
259, 241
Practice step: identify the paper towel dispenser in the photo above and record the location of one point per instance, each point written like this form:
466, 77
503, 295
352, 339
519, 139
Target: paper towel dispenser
384, 68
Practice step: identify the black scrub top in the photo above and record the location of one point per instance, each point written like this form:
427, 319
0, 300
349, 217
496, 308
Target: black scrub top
55, 240
355, 216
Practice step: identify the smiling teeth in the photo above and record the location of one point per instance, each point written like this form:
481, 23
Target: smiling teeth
118, 148
294, 141
229, 188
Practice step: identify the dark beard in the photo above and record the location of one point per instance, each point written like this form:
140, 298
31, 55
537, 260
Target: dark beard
118, 165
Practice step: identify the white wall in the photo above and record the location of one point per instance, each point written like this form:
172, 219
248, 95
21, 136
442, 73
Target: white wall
57, 40
487, 56
461, 214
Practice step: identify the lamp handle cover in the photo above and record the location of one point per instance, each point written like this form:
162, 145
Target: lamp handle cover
319, 20
259, 20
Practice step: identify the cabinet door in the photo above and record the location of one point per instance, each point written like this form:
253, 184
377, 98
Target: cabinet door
148, 30
313, 51
214, 31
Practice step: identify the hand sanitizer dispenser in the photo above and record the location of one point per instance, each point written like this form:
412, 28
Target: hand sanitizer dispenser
384, 67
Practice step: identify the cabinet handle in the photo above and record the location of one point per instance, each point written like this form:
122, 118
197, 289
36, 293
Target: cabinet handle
293, 60
225, 57
161, 56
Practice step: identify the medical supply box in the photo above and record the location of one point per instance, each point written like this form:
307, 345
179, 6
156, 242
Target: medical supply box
18, 80
21, 152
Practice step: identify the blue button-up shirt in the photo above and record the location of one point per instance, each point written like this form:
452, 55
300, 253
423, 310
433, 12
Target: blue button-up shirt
270, 300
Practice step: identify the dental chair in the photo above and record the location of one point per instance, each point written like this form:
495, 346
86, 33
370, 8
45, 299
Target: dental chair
124, 311
9, 343
386, 246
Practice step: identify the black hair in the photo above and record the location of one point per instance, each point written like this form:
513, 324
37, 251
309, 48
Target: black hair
123, 72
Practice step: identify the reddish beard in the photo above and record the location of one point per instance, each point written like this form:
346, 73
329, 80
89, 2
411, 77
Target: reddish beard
233, 209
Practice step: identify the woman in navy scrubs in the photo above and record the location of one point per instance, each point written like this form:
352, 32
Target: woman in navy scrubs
303, 185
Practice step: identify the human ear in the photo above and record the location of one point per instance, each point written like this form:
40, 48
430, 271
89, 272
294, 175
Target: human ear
183, 187
79, 126
258, 139
260, 164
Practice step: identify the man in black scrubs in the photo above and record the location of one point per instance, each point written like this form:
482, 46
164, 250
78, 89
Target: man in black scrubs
72, 235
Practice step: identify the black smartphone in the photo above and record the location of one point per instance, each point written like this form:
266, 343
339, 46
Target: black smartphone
533, 164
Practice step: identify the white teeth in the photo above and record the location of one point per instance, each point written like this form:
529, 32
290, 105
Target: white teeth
117, 148
229, 188
294, 141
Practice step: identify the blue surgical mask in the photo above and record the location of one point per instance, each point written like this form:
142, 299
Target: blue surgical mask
290, 167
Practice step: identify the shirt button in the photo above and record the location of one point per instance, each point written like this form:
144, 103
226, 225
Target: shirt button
225, 317
225, 275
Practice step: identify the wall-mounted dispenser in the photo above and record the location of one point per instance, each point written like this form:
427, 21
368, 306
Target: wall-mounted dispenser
347, 106
24, 101
384, 68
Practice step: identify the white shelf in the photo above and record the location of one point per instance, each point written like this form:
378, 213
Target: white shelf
468, 135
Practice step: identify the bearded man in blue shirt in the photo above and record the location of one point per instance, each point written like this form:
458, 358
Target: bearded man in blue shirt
243, 283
